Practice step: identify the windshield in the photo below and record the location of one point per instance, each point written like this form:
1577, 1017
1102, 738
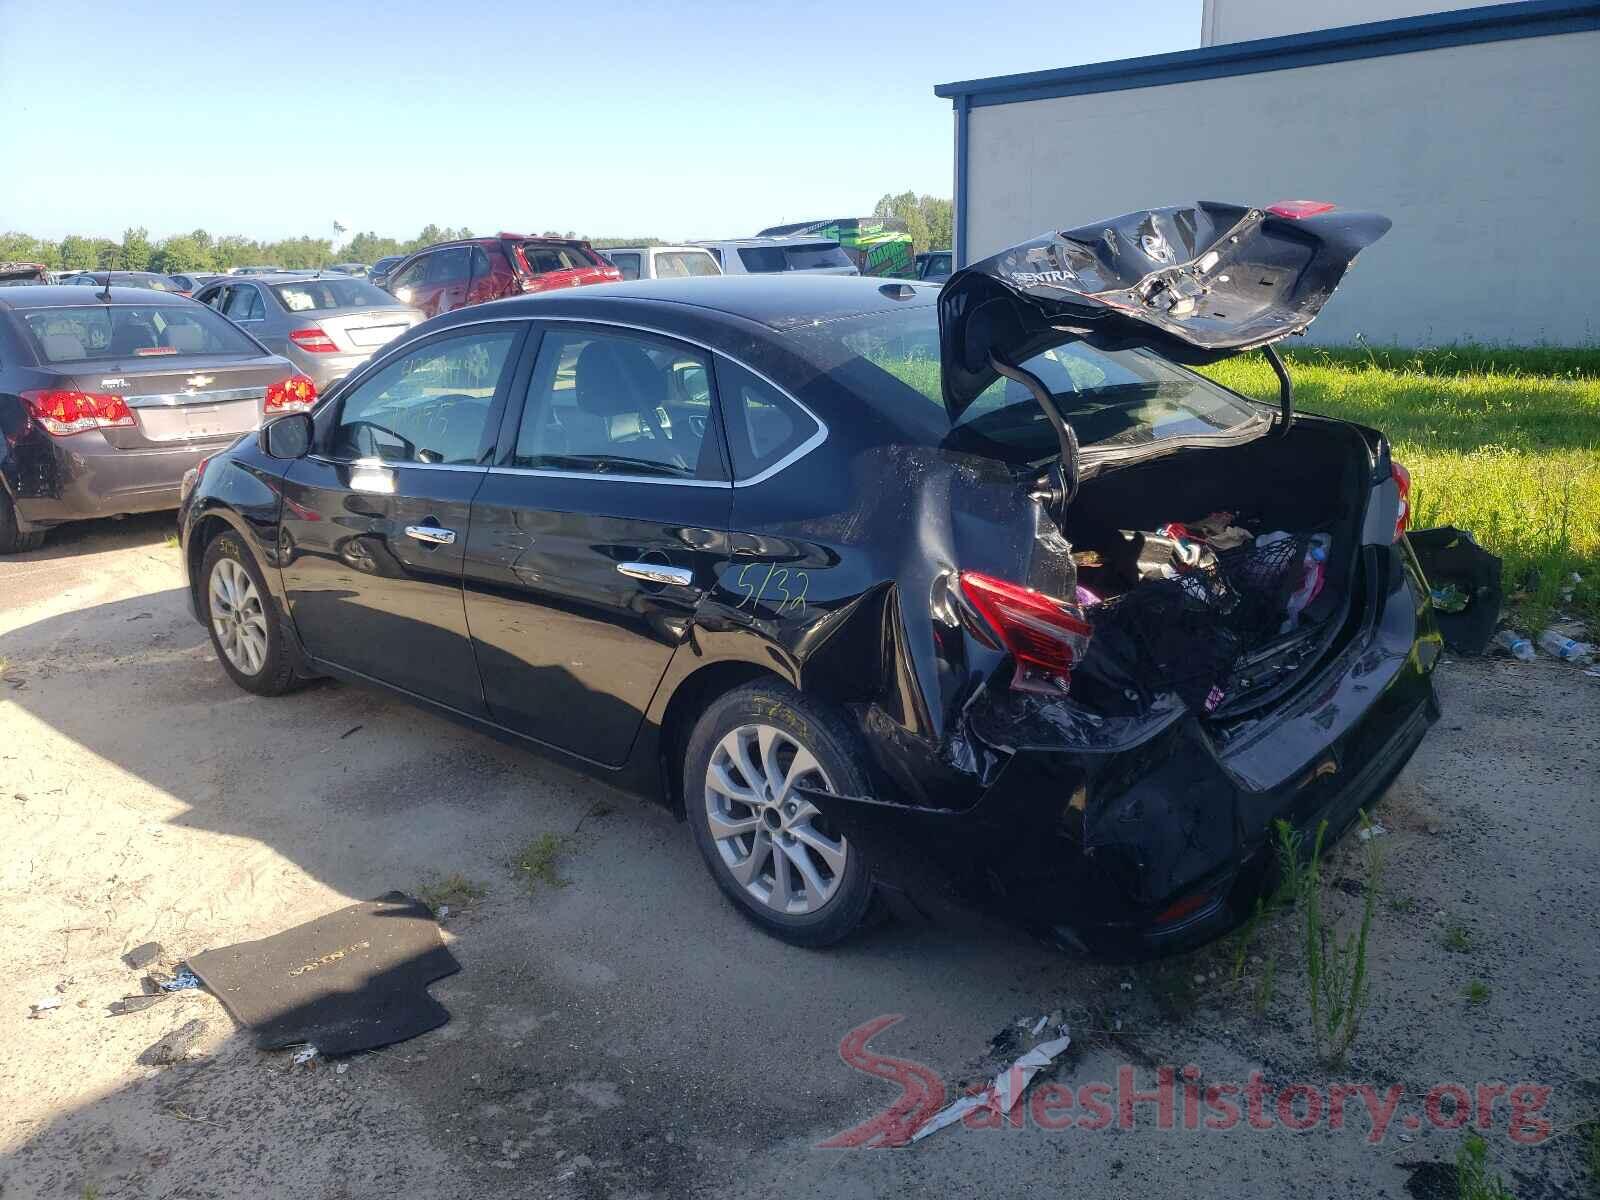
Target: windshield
316, 294
108, 331
1112, 398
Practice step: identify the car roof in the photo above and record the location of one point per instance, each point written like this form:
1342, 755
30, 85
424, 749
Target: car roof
51, 295
778, 301
642, 249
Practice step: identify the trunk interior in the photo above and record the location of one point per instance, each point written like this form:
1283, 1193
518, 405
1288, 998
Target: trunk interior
1222, 628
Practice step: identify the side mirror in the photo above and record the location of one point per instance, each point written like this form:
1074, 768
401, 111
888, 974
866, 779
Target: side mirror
288, 436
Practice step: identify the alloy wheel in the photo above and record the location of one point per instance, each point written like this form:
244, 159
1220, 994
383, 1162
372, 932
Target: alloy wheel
238, 617
775, 842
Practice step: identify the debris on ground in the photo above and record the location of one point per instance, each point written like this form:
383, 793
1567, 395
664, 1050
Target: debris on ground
142, 956
182, 981
1514, 644
304, 1055
1001, 1095
39, 1007
133, 1004
1558, 645
1368, 832
175, 1047
351, 980
1462, 573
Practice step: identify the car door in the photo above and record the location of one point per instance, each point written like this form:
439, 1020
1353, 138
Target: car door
491, 275
375, 519
595, 534
409, 283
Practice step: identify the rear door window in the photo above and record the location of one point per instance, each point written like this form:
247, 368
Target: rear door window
676, 264
542, 259
450, 266
431, 405
764, 426
244, 303
820, 254
616, 405
763, 260
628, 264
412, 275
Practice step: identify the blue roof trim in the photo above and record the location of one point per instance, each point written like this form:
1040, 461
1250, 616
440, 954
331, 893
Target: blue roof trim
1463, 27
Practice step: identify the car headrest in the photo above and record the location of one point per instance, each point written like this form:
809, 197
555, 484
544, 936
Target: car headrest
186, 337
61, 347
613, 378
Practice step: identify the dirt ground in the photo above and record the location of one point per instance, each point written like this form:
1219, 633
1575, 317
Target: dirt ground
627, 1034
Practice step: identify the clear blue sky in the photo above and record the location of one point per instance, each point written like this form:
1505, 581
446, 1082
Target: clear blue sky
608, 117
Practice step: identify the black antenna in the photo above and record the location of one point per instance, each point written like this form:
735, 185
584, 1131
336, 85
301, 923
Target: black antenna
105, 296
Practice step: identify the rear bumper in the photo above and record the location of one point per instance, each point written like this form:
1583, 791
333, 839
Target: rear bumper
84, 476
324, 370
1134, 853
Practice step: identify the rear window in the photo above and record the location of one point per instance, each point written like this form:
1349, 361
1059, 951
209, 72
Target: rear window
1112, 398
676, 264
314, 295
628, 264
763, 260
21, 276
108, 331
541, 257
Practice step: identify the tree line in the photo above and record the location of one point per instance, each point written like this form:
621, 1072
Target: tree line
928, 218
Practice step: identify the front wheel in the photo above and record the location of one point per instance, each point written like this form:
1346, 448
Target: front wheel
759, 765
243, 619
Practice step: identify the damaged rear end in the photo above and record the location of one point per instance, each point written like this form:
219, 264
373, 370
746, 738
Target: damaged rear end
1210, 620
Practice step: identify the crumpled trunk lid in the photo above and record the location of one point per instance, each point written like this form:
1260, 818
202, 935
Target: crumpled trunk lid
1195, 282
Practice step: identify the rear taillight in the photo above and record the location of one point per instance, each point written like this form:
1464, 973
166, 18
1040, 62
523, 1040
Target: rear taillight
1045, 635
294, 394
1402, 480
64, 413
1295, 209
313, 339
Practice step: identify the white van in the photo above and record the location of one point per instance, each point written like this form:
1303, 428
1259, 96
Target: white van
661, 262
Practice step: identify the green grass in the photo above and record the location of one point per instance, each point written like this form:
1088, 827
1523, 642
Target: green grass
454, 891
1457, 939
1473, 1178
1477, 992
535, 863
1505, 443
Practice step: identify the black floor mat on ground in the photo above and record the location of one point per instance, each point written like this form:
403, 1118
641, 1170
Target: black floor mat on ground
353, 980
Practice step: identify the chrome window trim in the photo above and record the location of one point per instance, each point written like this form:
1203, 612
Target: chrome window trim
376, 364
177, 399
373, 464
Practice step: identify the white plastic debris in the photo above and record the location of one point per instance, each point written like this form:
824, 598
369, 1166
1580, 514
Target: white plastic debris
1039, 1025
1001, 1095
39, 1007
304, 1055
1368, 832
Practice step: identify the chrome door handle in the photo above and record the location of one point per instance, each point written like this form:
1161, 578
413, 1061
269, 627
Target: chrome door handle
656, 573
431, 534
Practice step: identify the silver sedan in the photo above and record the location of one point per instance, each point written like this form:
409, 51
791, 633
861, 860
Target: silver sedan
326, 325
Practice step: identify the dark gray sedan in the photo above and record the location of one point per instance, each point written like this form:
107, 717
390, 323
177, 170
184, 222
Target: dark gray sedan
327, 325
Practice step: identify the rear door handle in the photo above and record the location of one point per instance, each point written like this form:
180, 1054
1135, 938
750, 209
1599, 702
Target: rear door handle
657, 573
431, 534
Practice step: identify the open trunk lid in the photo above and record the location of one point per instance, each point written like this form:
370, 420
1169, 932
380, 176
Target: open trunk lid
1195, 282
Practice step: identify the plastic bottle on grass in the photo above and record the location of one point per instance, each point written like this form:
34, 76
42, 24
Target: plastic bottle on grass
1514, 644
1559, 645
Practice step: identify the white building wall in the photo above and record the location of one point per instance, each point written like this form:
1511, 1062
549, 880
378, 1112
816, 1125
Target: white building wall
1486, 157
1245, 20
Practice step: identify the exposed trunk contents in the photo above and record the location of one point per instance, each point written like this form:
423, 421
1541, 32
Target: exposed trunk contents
1215, 573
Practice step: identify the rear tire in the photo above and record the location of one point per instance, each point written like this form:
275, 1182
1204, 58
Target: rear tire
247, 630
12, 539
774, 852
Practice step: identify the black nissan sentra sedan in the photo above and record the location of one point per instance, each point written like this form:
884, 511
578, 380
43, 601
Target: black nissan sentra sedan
974, 591
107, 397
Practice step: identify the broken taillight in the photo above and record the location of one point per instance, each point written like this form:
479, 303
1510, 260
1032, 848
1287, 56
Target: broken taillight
63, 413
1045, 635
1402, 480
